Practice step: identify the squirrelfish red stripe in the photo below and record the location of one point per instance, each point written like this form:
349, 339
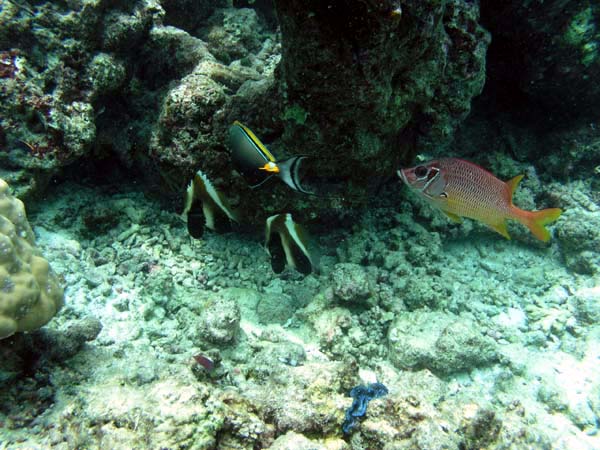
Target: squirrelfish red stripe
463, 189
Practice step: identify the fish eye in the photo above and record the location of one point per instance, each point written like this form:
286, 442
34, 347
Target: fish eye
421, 171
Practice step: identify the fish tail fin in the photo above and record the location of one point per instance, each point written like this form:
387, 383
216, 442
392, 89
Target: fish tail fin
536, 221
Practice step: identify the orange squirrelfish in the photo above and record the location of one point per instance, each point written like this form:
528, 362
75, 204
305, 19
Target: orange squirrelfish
463, 189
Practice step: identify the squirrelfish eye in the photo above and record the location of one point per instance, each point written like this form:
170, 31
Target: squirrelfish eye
421, 171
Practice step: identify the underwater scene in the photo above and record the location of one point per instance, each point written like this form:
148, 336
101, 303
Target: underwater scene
299, 224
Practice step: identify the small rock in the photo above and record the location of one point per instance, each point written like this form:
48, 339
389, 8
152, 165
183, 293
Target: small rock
442, 343
274, 308
219, 320
350, 282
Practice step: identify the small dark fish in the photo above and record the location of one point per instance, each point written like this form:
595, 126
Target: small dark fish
204, 361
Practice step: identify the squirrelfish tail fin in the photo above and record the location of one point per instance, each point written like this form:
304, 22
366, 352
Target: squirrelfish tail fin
536, 221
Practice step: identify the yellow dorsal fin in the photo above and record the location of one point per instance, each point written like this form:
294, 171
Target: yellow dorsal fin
255, 140
513, 183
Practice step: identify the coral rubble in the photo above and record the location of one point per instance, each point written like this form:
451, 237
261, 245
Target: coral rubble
107, 110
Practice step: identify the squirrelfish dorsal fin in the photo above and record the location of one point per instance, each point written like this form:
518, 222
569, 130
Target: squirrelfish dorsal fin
513, 183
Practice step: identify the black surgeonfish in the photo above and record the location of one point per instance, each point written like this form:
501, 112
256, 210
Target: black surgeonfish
206, 207
301, 173
288, 243
256, 163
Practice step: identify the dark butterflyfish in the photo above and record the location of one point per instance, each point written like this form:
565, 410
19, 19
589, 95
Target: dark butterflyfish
205, 207
289, 244
462, 189
257, 164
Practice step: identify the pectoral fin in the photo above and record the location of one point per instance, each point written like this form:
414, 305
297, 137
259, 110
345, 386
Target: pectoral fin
453, 217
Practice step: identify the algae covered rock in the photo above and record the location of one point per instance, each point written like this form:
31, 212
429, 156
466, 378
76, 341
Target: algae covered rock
22, 353
29, 292
106, 74
171, 51
189, 105
235, 33
274, 308
376, 78
480, 427
442, 343
304, 398
586, 303
57, 78
296, 441
222, 73
220, 319
350, 282
579, 237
